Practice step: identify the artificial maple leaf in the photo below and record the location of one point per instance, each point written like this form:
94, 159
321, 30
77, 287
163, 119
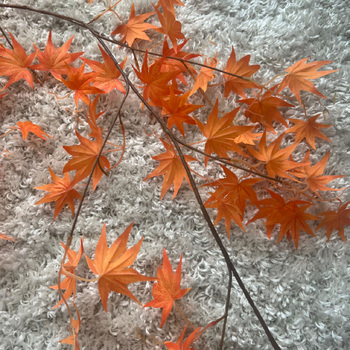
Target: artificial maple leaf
111, 265
156, 85
276, 159
178, 110
248, 137
92, 116
15, 63
290, 215
69, 283
169, 5
227, 209
84, 158
205, 76
54, 60
172, 168
135, 28
171, 61
28, 126
167, 288
8, 238
181, 344
61, 191
169, 26
107, 77
241, 190
79, 82
299, 74
74, 329
335, 220
242, 69
264, 110
309, 130
314, 179
221, 133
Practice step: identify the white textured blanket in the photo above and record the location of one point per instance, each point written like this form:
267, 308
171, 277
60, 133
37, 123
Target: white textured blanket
302, 295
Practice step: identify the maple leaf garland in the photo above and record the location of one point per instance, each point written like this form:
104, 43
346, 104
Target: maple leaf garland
167, 288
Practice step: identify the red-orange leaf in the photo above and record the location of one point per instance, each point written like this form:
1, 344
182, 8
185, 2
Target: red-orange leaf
27, 126
54, 60
177, 109
111, 265
313, 174
170, 26
290, 215
181, 344
108, 74
167, 288
135, 28
264, 110
61, 191
84, 157
8, 238
241, 68
15, 63
276, 159
69, 283
169, 4
336, 220
309, 130
156, 83
221, 134
299, 74
205, 75
172, 168
80, 83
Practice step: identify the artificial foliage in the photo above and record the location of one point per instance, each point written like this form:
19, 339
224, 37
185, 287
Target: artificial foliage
252, 145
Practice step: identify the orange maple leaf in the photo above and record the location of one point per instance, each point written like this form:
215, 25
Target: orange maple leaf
298, 75
107, 77
308, 129
221, 134
92, 116
290, 215
135, 28
184, 345
54, 60
167, 64
69, 283
230, 198
167, 288
264, 110
169, 26
111, 265
84, 157
169, 5
15, 63
177, 109
74, 329
8, 238
172, 168
79, 82
205, 76
28, 126
61, 191
156, 85
241, 68
335, 220
313, 174
276, 159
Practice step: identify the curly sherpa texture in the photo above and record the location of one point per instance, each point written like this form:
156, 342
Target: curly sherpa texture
303, 295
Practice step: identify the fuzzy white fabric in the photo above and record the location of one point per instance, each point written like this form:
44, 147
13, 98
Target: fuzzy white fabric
303, 295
